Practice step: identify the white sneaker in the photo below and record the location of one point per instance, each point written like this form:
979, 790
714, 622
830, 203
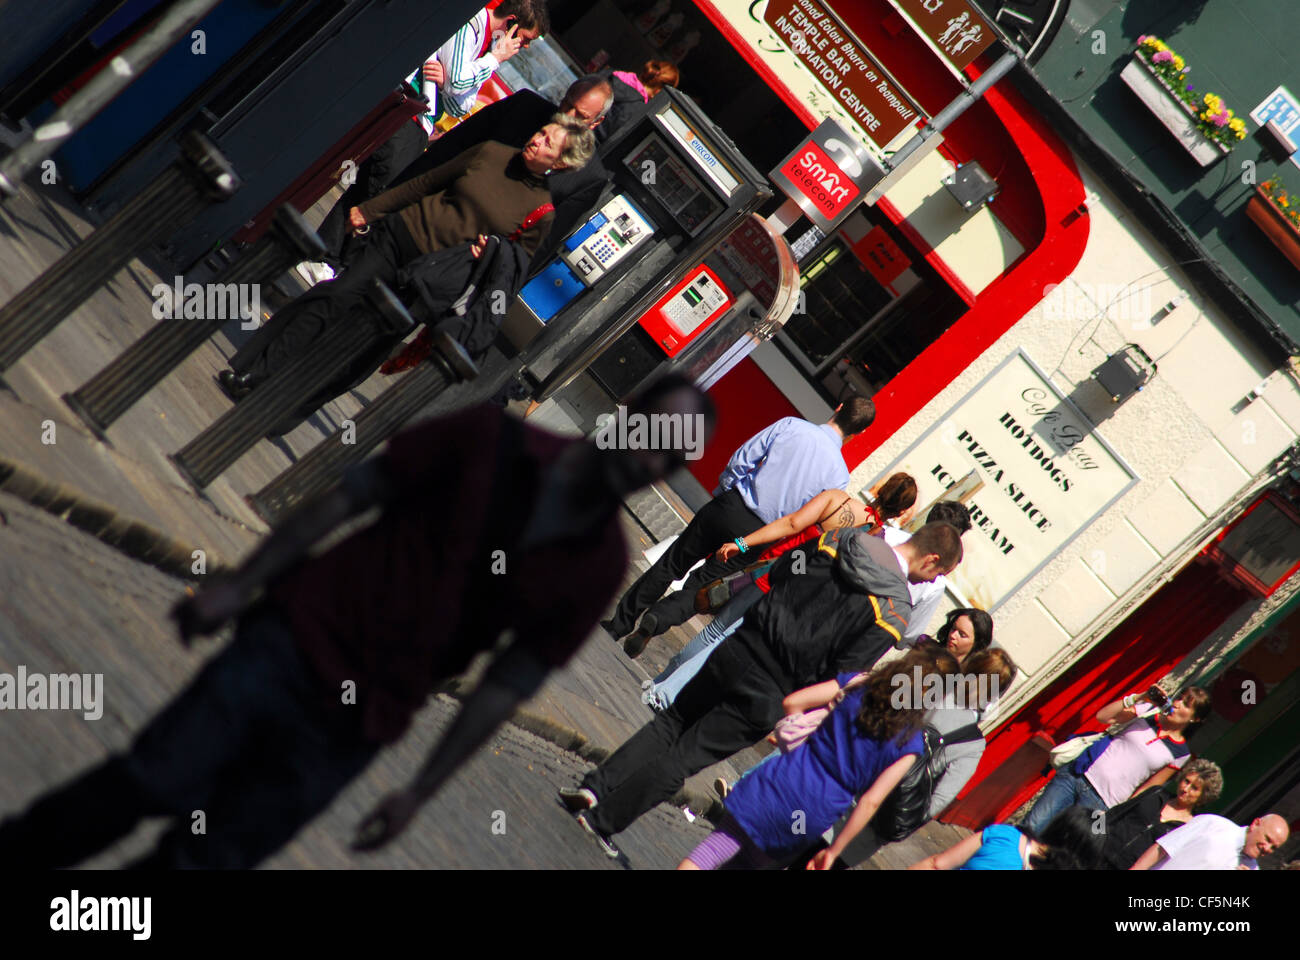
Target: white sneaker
646, 685
313, 273
577, 799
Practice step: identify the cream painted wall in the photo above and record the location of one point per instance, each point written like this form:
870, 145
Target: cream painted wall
1189, 435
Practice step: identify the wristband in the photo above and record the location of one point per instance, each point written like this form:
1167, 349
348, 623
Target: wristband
740, 542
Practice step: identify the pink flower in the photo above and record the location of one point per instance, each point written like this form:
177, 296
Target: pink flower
1164, 56
1221, 118
1142, 39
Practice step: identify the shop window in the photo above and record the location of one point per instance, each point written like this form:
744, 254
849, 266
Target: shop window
857, 334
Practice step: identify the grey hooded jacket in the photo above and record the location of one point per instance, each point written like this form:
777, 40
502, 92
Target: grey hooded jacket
847, 607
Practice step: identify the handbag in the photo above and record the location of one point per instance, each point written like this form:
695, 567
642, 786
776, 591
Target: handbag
712, 597
1069, 751
907, 808
792, 730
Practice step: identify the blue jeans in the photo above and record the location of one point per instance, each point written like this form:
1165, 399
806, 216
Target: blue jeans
688, 661
1066, 790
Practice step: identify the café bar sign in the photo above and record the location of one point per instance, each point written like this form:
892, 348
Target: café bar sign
1047, 476
824, 46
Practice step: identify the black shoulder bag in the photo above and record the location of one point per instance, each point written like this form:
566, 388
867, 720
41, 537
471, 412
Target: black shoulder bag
907, 808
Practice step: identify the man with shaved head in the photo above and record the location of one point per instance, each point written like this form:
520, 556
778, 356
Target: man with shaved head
1209, 842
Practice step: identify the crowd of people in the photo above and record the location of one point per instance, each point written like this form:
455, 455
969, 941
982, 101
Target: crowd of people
522, 169
799, 646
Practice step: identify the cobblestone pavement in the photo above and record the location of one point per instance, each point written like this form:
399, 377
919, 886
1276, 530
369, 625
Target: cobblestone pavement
70, 604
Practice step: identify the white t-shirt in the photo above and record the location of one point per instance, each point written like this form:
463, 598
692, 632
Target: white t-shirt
1134, 754
1207, 842
925, 596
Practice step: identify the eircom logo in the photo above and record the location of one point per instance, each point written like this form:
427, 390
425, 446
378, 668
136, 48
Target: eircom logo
821, 180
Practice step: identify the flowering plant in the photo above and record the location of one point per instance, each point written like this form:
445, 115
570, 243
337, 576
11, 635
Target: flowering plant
1213, 117
1281, 200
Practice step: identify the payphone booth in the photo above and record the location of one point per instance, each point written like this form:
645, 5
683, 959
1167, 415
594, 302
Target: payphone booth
633, 290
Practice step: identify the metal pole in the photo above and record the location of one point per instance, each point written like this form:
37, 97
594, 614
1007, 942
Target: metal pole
103, 87
238, 430
198, 178
116, 388
447, 365
963, 102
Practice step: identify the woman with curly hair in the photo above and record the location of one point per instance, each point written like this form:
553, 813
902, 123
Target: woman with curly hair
1135, 824
863, 749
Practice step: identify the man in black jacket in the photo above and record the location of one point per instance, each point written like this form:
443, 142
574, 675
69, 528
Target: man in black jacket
835, 612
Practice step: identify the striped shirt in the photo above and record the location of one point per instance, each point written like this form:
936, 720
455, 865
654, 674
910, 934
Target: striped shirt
468, 62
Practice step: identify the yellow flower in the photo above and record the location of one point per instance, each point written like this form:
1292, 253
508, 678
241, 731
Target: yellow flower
1241, 134
1179, 63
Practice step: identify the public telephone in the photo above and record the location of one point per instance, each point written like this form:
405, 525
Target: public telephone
587, 255
687, 309
631, 282
606, 239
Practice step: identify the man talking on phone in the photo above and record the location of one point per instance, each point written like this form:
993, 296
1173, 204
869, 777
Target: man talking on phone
460, 67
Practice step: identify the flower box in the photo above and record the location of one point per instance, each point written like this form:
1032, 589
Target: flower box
1269, 218
1176, 117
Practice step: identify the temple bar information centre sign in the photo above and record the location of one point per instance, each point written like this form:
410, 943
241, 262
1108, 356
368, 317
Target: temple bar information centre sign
843, 66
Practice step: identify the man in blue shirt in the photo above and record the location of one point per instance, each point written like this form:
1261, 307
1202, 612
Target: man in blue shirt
774, 473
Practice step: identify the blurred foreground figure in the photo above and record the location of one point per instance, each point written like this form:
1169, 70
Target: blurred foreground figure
487, 525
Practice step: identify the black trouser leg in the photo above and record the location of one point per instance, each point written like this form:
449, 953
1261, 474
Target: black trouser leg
388, 247
679, 606
729, 705
723, 518
76, 821
374, 176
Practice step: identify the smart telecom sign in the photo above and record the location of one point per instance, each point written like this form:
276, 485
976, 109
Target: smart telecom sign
827, 175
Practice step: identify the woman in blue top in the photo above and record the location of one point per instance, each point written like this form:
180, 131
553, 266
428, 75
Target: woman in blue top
868, 743
1068, 843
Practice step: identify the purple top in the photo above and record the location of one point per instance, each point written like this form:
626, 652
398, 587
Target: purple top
785, 804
